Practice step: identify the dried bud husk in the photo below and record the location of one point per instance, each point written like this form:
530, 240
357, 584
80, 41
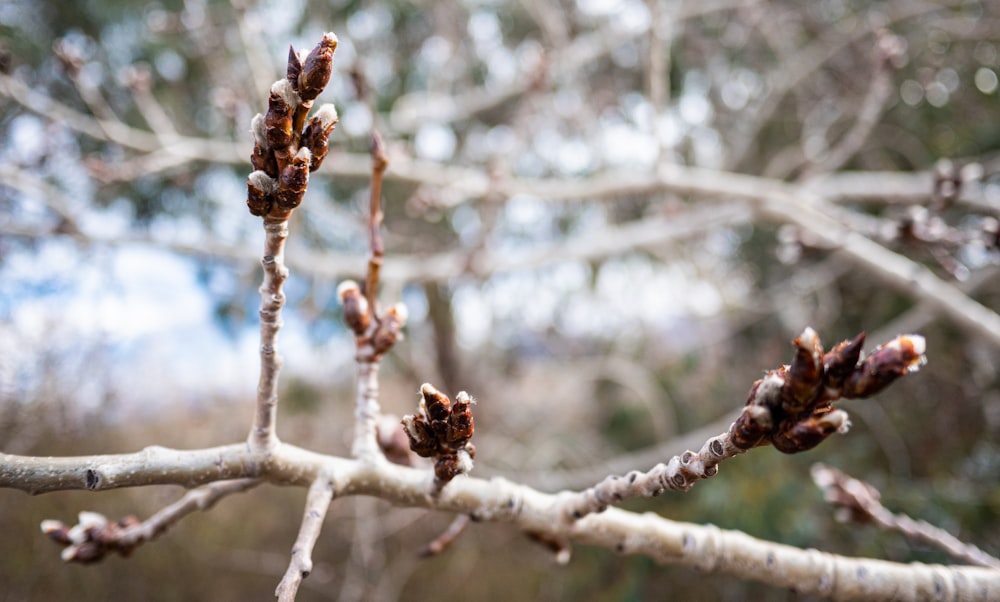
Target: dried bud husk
804, 377
461, 425
389, 329
885, 364
294, 180
278, 121
317, 134
317, 67
357, 314
841, 361
260, 193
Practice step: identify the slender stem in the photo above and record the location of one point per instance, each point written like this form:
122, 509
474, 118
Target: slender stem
441, 542
321, 493
263, 436
202, 498
379, 163
862, 501
366, 412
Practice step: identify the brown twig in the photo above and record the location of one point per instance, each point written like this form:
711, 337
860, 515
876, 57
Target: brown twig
790, 408
94, 536
441, 542
379, 163
859, 502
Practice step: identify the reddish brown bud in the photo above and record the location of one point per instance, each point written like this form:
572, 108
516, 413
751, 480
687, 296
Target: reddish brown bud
389, 329
317, 133
278, 121
294, 68
450, 465
357, 314
260, 193
317, 67
804, 378
752, 425
794, 437
460, 423
262, 159
293, 182
437, 403
423, 441
57, 531
841, 361
898, 357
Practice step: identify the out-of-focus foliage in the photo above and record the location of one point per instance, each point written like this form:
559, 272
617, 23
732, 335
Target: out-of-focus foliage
574, 361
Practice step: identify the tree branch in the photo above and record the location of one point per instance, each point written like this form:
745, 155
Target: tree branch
321, 493
669, 542
861, 504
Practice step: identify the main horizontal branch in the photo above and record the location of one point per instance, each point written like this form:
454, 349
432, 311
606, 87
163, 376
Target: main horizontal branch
704, 547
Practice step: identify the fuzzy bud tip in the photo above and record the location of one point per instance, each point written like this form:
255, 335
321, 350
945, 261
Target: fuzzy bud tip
347, 287
284, 90
327, 115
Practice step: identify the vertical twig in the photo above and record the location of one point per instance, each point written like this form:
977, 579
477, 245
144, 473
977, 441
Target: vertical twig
321, 493
263, 436
379, 162
366, 409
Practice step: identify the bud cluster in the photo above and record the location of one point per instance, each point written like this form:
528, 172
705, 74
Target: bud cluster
92, 538
374, 334
286, 147
791, 407
443, 430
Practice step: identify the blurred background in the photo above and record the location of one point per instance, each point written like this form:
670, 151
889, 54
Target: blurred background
603, 324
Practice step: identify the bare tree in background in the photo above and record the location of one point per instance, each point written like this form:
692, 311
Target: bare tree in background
610, 216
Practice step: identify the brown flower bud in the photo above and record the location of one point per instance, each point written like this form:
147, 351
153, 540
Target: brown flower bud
460, 423
423, 442
357, 314
316, 69
841, 361
804, 377
278, 121
900, 356
294, 180
260, 193
317, 133
262, 159
294, 68
752, 425
57, 531
437, 403
449, 466
389, 329
794, 437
